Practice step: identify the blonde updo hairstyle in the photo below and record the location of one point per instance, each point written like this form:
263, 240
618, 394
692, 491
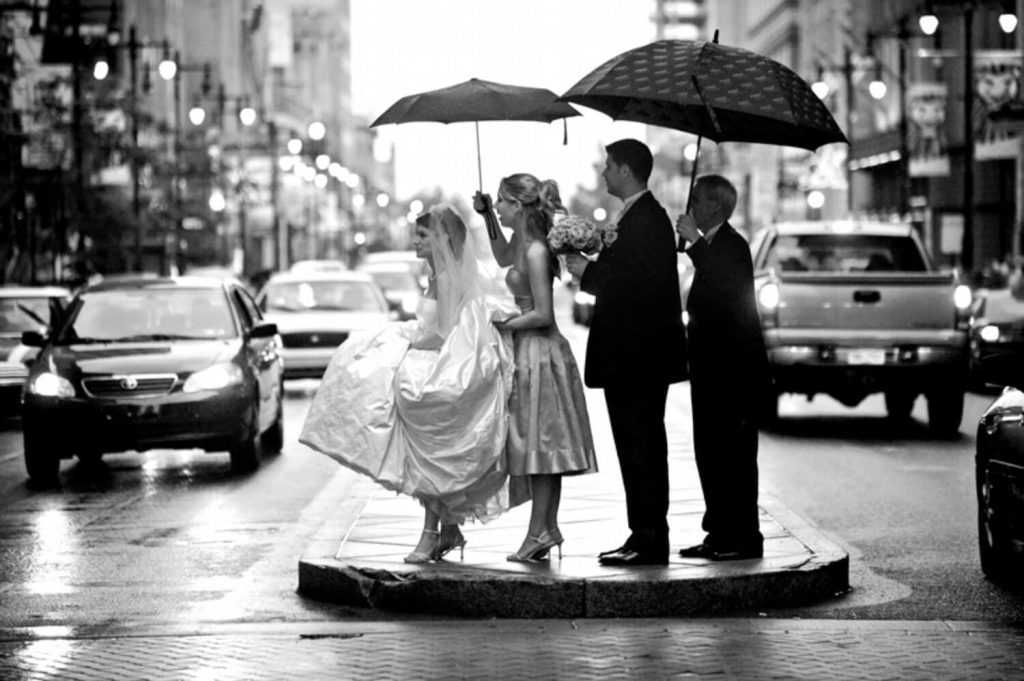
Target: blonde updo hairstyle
540, 200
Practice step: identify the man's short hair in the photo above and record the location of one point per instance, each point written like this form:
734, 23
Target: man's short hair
720, 189
635, 154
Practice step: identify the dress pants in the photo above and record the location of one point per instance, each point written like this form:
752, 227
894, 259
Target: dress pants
637, 415
725, 449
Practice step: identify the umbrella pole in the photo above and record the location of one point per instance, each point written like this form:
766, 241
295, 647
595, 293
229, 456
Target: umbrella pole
693, 174
479, 167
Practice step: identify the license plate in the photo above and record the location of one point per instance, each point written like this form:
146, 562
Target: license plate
867, 356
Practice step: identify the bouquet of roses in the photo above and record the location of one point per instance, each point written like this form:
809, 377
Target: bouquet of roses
576, 234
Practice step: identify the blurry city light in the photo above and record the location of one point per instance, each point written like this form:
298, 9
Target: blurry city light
308, 173
320, 180
294, 146
815, 199
358, 200
101, 70
247, 115
167, 69
217, 202
359, 238
1008, 22
929, 23
600, 213
416, 206
323, 161
286, 163
197, 115
316, 130
383, 199
820, 89
690, 152
877, 89
352, 181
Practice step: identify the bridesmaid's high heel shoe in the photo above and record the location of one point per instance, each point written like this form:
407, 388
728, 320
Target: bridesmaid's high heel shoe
434, 541
451, 539
534, 549
556, 537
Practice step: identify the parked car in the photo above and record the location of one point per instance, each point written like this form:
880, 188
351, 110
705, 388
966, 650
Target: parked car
311, 266
409, 259
999, 472
852, 308
23, 308
316, 312
151, 363
997, 327
400, 285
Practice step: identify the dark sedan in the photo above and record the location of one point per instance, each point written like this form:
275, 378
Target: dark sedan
997, 327
142, 364
999, 467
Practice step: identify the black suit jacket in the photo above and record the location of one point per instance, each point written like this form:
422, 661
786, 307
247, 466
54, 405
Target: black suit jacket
636, 331
726, 340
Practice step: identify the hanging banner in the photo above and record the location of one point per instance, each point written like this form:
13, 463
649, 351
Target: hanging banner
996, 88
927, 140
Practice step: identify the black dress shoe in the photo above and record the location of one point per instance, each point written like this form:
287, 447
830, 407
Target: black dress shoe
702, 550
624, 547
630, 557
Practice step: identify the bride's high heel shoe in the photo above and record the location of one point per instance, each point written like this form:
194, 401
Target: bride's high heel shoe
451, 539
434, 543
535, 548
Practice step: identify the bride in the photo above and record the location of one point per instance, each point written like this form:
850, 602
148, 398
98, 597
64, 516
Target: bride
421, 407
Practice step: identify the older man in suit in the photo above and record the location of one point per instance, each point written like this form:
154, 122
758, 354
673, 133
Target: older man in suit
728, 372
636, 347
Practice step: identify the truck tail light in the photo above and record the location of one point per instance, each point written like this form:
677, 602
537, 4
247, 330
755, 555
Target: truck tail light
768, 301
962, 300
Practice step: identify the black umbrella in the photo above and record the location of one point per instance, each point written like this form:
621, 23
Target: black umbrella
478, 100
726, 94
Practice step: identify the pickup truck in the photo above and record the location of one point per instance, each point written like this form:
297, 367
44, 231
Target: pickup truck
853, 308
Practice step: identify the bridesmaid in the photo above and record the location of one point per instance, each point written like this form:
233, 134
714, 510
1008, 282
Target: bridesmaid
549, 431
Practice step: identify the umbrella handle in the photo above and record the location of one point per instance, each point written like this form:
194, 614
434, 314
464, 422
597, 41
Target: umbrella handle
693, 174
479, 167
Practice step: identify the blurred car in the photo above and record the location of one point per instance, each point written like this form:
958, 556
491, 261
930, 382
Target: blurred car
400, 285
418, 266
996, 328
181, 363
316, 312
311, 266
999, 472
23, 308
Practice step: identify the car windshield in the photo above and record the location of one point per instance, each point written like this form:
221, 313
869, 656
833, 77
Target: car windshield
845, 253
151, 314
24, 314
327, 295
395, 281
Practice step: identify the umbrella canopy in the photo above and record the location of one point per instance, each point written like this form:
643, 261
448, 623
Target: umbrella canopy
478, 100
726, 94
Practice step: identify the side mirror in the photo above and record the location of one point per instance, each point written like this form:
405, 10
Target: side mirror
32, 339
264, 330
1002, 369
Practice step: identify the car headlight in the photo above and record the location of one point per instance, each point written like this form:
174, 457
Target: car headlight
769, 296
217, 377
962, 297
989, 333
49, 384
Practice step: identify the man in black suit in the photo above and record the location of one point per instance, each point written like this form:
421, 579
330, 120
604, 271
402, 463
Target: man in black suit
636, 347
728, 372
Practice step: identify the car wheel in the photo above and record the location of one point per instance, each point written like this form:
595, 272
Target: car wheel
272, 440
899, 404
245, 455
42, 460
991, 543
945, 411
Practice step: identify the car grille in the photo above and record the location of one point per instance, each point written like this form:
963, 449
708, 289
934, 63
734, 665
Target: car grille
130, 385
314, 339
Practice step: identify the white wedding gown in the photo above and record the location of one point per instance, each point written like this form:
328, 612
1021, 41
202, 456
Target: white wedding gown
430, 423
